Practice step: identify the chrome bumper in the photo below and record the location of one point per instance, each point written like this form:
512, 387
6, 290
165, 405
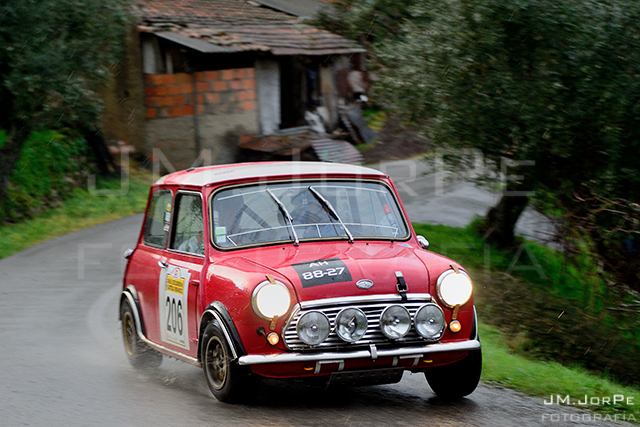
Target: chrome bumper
372, 353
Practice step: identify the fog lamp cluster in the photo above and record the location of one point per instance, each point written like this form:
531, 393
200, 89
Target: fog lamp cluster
351, 324
429, 322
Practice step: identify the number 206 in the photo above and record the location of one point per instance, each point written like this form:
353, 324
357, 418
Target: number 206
174, 315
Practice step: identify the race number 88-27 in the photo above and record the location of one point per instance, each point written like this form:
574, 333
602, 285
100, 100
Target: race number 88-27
322, 272
317, 274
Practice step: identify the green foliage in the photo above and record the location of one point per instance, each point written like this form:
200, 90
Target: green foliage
375, 118
547, 81
80, 210
3, 137
54, 61
548, 91
506, 368
550, 307
50, 165
538, 265
374, 21
54, 55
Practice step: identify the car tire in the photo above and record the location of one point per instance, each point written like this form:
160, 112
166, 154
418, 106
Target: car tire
457, 379
228, 381
140, 355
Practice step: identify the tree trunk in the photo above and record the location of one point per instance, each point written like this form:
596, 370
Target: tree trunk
104, 159
500, 222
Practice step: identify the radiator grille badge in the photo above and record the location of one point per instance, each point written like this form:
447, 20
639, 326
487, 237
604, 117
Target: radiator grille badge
364, 284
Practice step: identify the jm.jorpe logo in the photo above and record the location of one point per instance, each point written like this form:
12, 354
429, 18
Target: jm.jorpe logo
557, 399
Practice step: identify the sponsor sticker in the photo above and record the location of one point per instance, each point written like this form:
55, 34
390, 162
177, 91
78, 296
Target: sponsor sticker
173, 305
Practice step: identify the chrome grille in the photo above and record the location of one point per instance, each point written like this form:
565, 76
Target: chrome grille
372, 308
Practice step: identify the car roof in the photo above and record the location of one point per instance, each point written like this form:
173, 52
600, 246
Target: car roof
242, 171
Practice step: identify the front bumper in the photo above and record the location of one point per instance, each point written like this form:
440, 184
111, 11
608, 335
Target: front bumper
371, 353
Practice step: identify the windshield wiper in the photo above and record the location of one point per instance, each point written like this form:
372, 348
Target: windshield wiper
287, 215
329, 207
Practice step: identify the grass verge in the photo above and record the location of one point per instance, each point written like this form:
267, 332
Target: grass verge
106, 201
536, 309
551, 381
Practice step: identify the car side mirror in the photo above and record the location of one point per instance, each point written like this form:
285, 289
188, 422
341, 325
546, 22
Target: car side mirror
424, 243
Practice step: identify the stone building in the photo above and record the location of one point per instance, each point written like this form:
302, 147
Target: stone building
201, 74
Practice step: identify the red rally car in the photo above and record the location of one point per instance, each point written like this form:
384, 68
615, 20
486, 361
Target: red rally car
294, 270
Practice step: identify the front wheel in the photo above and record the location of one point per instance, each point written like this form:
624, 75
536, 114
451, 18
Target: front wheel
227, 381
139, 354
457, 379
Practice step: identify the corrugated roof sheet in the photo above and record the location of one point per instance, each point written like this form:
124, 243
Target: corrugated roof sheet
336, 151
240, 25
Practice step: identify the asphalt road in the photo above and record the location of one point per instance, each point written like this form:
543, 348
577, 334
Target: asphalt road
62, 362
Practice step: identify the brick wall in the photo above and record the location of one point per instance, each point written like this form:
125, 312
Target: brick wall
216, 92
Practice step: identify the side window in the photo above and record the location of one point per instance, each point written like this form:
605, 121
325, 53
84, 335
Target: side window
156, 227
188, 226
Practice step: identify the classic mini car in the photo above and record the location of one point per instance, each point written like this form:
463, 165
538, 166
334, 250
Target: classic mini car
294, 270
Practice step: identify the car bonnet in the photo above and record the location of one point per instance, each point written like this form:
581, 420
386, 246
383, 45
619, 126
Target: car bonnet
324, 270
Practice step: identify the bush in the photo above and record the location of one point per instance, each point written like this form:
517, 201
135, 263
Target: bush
51, 164
549, 307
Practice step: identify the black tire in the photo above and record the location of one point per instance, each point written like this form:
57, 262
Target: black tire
228, 381
139, 354
457, 379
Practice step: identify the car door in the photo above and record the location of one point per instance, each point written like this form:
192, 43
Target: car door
178, 287
148, 259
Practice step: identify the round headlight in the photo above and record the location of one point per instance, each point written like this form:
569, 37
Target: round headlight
429, 321
271, 299
395, 322
351, 324
454, 288
313, 328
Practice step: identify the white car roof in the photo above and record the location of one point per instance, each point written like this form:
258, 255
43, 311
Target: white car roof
239, 171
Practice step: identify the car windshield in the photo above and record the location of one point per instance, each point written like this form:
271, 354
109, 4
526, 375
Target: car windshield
299, 211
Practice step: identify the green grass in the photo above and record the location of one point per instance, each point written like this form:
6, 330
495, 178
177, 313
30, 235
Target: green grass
536, 264
511, 354
51, 164
109, 200
544, 379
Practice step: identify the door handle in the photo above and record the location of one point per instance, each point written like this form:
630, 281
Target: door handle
163, 264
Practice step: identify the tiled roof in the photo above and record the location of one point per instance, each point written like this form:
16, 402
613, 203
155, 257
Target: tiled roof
241, 25
303, 8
